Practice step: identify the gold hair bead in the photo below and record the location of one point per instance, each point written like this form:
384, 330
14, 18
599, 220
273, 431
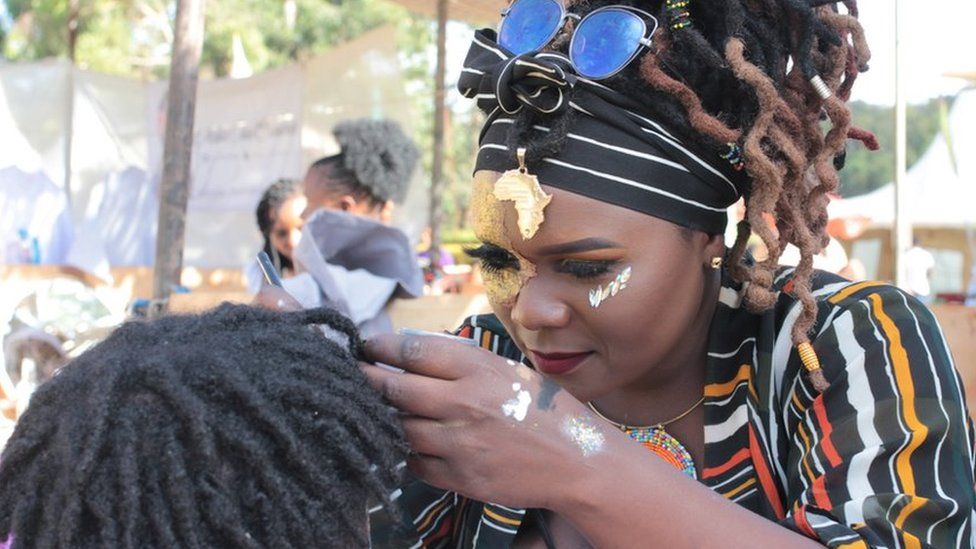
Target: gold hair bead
812, 363
808, 356
717, 263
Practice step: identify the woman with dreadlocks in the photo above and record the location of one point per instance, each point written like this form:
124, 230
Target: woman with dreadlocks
237, 428
655, 389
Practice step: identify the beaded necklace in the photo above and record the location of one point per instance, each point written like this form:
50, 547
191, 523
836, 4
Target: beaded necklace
656, 439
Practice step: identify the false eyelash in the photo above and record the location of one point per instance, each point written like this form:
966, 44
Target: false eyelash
585, 270
492, 258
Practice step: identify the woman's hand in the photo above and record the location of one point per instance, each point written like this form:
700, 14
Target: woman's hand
486, 427
276, 299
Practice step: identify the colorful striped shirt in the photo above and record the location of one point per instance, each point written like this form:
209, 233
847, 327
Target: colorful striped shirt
883, 458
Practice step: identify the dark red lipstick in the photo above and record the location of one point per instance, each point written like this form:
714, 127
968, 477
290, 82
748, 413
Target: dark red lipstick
555, 364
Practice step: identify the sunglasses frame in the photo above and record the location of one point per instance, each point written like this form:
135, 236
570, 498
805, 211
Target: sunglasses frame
565, 15
644, 42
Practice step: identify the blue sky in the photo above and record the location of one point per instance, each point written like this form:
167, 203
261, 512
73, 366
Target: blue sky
4, 15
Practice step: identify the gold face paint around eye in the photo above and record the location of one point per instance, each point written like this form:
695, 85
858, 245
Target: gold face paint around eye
488, 219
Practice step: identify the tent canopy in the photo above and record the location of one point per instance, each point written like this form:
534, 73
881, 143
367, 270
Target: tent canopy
476, 12
938, 195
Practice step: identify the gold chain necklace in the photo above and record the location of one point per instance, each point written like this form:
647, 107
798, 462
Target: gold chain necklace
661, 425
656, 439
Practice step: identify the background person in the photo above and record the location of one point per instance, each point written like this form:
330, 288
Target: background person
351, 258
919, 264
279, 219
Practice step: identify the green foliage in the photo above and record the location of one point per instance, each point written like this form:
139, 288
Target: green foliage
41, 29
133, 37
268, 41
865, 170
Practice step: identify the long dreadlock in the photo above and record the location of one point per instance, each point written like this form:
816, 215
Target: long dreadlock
240, 427
741, 72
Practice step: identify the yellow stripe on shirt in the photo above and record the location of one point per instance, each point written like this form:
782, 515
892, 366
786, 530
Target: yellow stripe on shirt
853, 289
504, 520
906, 388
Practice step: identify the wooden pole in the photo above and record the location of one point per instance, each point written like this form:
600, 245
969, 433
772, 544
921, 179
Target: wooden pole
72, 28
440, 113
177, 149
903, 225
69, 127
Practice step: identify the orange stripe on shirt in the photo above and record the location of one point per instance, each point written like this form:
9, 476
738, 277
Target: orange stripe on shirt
501, 519
826, 445
720, 390
851, 290
765, 478
800, 517
911, 542
820, 496
433, 513
486, 339
906, 387
736, 459
796, 402
731, 493
859, 544
806, 452
913, 505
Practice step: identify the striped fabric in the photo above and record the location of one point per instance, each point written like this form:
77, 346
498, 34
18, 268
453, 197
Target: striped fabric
613, 152
883, 458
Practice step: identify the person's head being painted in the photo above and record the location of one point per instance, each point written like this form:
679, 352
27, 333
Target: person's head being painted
641, 161
369, 175
240, 427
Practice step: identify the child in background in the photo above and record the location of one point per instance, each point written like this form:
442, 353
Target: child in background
279, 220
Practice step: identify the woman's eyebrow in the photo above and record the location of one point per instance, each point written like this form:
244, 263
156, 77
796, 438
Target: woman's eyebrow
577, 246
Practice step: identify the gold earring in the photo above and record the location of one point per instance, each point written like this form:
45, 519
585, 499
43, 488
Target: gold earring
716, 263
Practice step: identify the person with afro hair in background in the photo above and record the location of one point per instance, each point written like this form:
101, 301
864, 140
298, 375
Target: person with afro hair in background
349, 256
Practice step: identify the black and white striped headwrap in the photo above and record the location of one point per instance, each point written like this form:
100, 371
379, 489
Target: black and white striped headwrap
612, 152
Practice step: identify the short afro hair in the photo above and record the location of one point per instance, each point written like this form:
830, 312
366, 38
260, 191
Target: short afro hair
240, 427
376, 159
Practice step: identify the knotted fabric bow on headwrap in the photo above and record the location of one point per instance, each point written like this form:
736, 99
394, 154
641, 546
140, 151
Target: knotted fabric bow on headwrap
613, 152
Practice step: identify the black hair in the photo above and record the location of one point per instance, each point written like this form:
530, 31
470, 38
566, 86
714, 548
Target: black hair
331, 172
271, 201
240, 427
743, 75
376, 161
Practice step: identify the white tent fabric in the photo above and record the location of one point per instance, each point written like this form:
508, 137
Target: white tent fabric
938, 196
33, 116
248, 133
32, 203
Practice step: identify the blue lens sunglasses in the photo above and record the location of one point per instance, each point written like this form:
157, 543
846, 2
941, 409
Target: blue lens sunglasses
603, 43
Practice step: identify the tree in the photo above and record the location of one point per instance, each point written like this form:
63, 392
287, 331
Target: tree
865, 170
133, 37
